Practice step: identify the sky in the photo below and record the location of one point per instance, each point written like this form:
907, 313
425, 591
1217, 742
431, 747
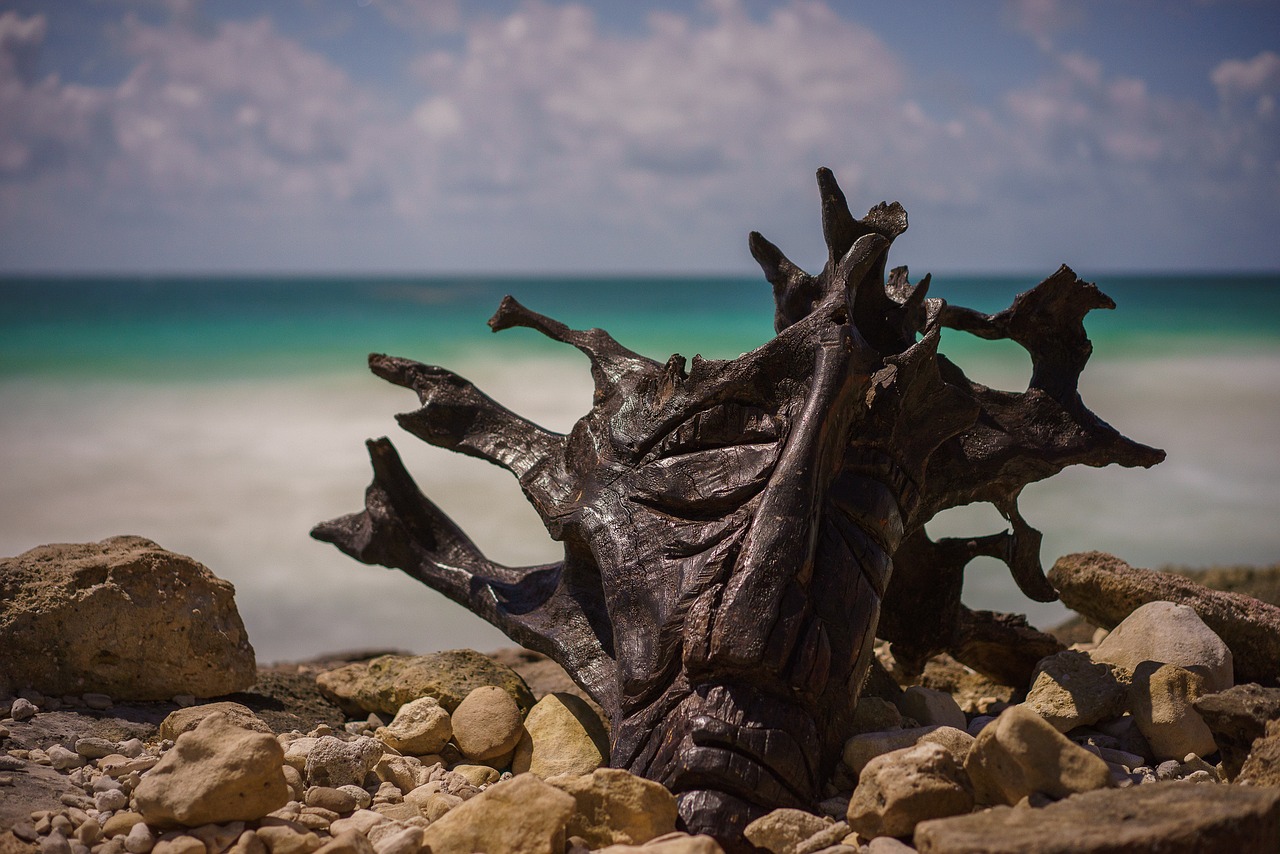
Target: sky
439, 137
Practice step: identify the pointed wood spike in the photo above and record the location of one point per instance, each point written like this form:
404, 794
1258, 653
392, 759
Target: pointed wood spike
839, 228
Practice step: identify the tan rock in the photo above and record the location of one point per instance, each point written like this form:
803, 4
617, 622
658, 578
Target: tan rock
1168, 633
121, 823
477, 775
930, 707
421, 726
248, 843
404, 840
1170, 818
185, 720
361, 821
288, 840
437, 804
405, 772
617, 807
348, 842
486, 724
562, 736
336, 800
122, 617
1161, 697
181, 844
671, 843
218, 837
522, 814
215, 773
782, 830
898, 790
386, 683
1070, 690
1020, 753
862, 748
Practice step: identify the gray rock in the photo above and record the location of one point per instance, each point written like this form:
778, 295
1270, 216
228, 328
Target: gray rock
22, 709
122, 617
1168, 633
333, 762
1172, 818
1106, 590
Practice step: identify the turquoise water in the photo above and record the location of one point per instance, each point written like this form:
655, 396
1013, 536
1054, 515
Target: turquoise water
222, 417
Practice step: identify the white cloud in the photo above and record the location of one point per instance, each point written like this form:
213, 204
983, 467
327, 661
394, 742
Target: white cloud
545, 138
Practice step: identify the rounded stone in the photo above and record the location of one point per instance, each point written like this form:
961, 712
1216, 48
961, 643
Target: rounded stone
487, 724
421, 726
1169, 633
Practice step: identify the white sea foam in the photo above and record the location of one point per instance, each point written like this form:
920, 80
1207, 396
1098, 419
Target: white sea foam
236, 473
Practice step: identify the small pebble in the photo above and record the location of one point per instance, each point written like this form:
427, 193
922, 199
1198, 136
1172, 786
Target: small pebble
6, 779
363, 798
139, 840
22, 709
111, 800
55, 843
131, 749
63, 759
10, 763
61, 824
94, 748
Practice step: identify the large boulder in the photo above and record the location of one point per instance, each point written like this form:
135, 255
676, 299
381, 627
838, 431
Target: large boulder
123, 617
387, 682
215, 773
1106, 590
1171, 818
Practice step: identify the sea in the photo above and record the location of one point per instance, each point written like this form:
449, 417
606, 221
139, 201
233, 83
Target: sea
223, 417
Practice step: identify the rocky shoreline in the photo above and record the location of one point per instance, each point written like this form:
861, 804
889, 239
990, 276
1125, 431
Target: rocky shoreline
1159, 732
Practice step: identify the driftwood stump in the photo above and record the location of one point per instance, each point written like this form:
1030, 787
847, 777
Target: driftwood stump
737, 532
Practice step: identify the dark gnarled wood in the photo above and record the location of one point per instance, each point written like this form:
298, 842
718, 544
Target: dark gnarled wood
735, 531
